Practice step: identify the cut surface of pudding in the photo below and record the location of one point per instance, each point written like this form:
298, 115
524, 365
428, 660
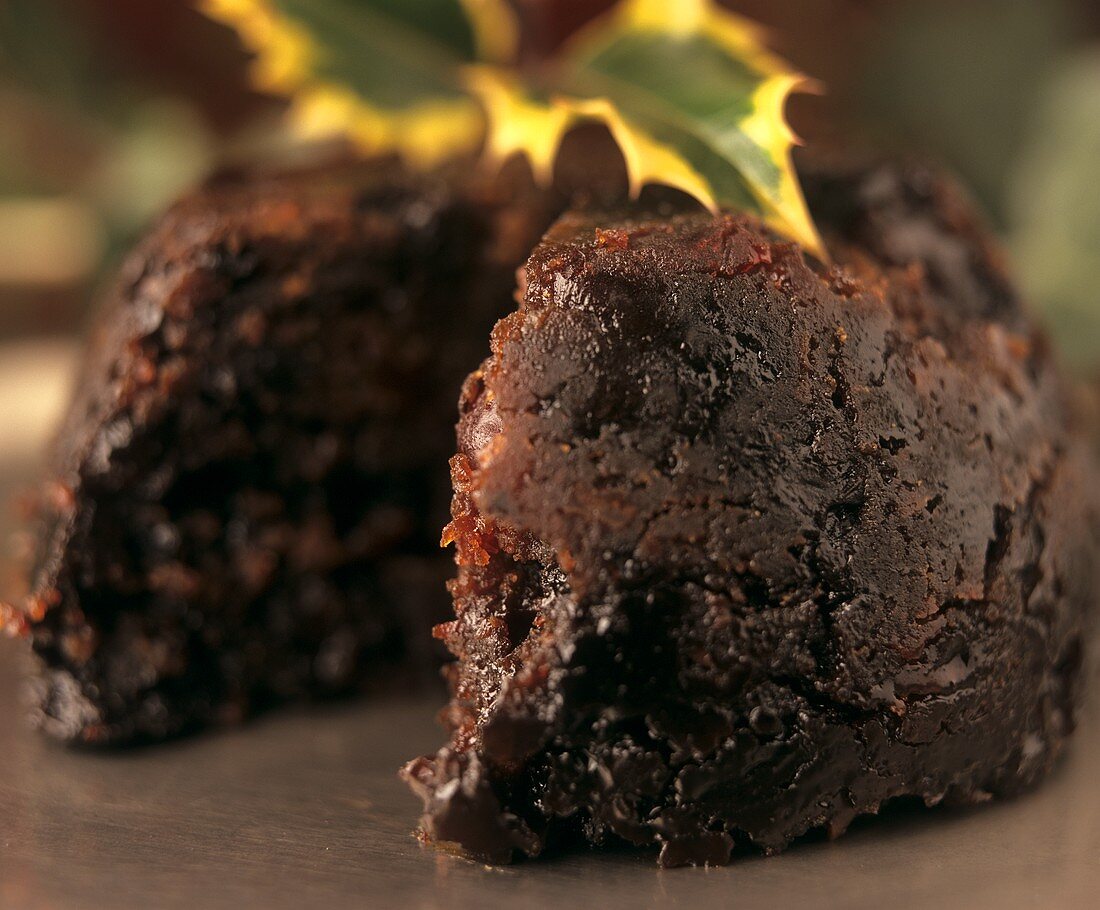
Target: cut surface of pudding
243, 505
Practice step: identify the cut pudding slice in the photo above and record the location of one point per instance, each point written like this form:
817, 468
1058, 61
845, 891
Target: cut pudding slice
748, 546
244, 503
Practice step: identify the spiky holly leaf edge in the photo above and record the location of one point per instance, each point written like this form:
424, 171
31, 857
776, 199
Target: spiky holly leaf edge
742, 163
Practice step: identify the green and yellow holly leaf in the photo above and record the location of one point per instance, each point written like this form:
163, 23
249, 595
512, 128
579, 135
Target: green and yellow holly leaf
386, 73
688, 90
692, 97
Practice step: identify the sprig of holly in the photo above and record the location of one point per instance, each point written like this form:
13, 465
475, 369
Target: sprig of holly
688, 90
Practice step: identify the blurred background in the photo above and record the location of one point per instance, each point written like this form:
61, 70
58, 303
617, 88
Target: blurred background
110, 108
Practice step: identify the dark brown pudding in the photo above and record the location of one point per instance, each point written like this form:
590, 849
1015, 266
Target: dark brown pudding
245, 501
748, 546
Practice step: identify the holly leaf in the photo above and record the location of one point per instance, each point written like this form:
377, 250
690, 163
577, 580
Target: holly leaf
386, 73
690, 94
688, 90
